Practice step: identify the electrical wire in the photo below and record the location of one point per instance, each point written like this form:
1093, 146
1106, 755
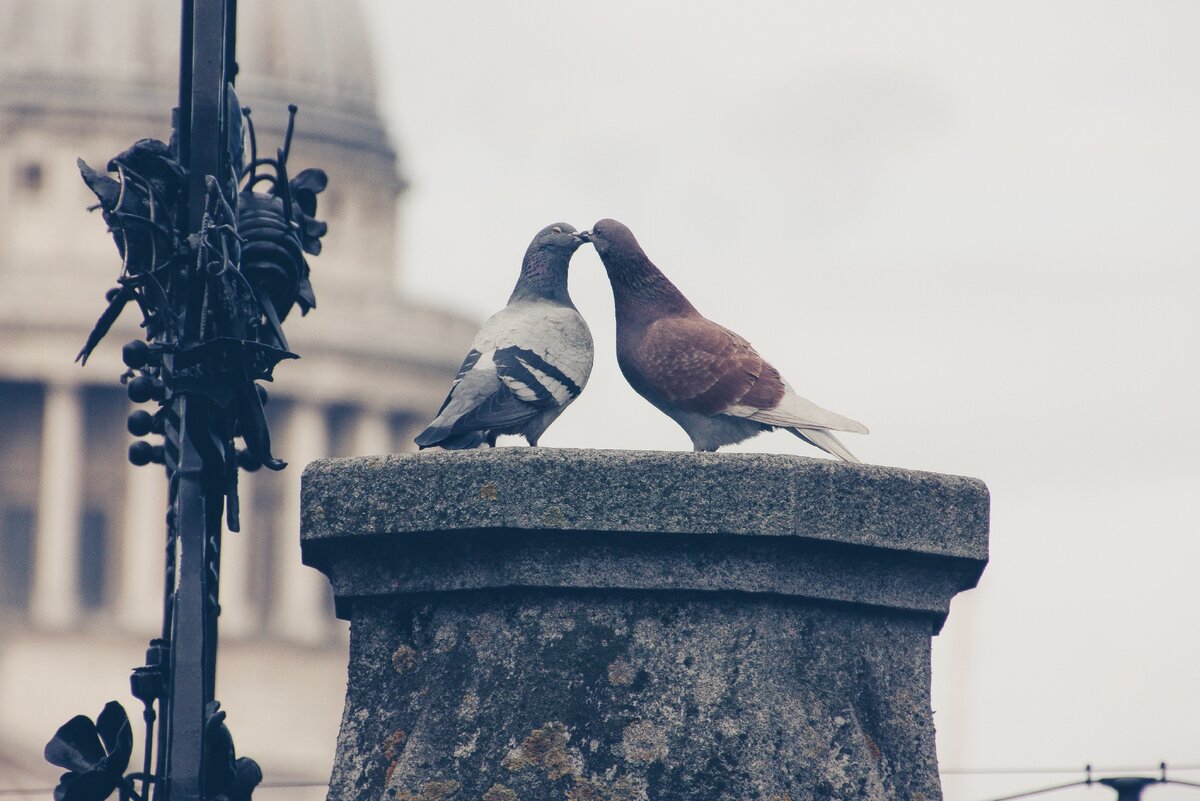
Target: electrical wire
1061, 771
1031, 793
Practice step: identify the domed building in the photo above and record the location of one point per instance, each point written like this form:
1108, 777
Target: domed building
81, 530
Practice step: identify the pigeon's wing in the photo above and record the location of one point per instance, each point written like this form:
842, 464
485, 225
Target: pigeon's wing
483, 398
467, 364
705, 368
542, 352
517, 395
702, 367
534, 380
524, 362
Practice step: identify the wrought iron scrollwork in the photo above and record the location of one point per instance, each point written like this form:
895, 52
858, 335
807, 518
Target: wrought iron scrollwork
251, 253
212, 300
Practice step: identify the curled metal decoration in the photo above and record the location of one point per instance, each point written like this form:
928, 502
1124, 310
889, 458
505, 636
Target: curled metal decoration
251, 251
280, 227
239, 275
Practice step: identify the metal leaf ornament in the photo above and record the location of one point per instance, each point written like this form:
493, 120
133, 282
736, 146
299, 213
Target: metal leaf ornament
139, 207
94, 754
227, 778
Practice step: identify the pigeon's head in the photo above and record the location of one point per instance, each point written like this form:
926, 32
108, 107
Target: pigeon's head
633, 276
559, 237
544, 268
610, 236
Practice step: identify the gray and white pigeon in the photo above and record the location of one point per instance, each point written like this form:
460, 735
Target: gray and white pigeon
528, 361
703, 376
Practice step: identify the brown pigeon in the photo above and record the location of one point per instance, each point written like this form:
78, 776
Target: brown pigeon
703, 376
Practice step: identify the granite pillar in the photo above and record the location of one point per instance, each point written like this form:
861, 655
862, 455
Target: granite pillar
584, 625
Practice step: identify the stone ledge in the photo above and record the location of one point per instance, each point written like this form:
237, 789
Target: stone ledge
647, 491
507, 559
582, 519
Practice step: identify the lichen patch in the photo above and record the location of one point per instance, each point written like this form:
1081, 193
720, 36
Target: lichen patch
403, 658
469, 707
466, 749
431, 791
544, 748
391, 749
498, 792
584, 790
391, 746
445, 639
643, 742
621, 672
598, 788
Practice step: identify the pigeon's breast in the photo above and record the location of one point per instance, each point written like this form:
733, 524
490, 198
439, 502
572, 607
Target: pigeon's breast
551, 331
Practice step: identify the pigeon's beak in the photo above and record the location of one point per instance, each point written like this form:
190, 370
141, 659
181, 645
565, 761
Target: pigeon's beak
584, 236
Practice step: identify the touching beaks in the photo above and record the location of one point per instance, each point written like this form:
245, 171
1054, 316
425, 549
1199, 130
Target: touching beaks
584, 236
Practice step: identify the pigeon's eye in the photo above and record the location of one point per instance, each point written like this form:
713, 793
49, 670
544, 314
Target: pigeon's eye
557, 230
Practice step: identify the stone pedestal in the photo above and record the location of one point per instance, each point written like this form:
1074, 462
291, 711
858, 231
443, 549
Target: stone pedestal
610, 625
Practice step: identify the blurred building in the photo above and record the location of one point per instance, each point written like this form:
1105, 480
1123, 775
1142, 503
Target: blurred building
81, 531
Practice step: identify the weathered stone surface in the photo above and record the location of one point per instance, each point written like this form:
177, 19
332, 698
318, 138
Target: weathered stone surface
540, 489
525, 517
591, 625
598, 695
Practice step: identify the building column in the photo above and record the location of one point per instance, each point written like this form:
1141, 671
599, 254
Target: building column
143, 550
238, 611
299, 609
372, 434
55, 602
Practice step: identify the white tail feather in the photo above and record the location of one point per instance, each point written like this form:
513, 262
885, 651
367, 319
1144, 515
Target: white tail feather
826, 442
793, 411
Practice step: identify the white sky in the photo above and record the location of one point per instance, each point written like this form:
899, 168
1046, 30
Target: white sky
972, 226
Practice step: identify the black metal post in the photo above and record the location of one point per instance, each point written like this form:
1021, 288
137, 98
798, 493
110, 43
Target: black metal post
193, 641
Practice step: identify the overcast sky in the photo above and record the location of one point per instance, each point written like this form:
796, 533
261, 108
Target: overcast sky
972, 226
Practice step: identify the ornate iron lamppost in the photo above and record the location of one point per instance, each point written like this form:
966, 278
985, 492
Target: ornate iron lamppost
214, 265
